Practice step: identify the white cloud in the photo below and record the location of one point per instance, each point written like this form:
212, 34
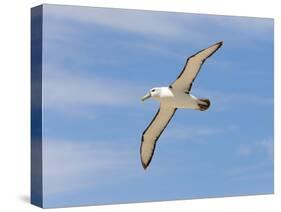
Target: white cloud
155, 48
264, 146
245, 25
244, 150
251, 171
256, 159
188, 133
222, 101
136, 21
268, 146
70, 165
159, 25
66, 91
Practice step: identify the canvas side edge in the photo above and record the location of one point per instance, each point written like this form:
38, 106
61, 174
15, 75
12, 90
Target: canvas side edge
36, 106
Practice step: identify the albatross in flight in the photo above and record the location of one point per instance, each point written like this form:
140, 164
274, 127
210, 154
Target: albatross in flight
176, 95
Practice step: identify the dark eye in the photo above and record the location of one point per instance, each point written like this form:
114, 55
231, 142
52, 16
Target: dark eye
153, 90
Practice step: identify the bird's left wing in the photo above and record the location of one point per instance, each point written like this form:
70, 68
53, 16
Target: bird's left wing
192, 68
153, 132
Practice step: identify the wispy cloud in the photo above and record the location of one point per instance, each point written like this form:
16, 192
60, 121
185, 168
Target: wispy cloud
222, 101
247, 172
268, 146
70, 165
64, 91
264, 146
188, 133
157, 49
244, 150
136, 21
159, 25
255, 161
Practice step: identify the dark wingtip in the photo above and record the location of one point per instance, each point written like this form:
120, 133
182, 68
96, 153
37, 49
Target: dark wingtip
219, 43
144, 165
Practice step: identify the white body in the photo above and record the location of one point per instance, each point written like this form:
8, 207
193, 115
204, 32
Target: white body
176, 99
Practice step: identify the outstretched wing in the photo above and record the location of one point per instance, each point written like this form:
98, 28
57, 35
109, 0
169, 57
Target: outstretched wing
153, 132
192, 68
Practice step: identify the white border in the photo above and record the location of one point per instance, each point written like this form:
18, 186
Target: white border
15, 102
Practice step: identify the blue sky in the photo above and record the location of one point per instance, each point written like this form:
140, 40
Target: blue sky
97, 63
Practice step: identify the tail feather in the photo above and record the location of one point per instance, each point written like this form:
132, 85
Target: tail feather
204, 104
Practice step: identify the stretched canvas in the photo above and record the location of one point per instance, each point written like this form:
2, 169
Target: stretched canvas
135, 106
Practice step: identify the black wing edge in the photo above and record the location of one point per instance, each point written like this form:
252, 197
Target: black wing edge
143, 164
188, 90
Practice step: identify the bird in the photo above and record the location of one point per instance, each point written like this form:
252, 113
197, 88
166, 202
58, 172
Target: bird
176, 95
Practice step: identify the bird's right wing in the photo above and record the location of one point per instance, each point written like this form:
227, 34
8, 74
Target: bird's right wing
192, 67
153, 132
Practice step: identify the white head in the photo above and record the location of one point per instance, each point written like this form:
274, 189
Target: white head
154, 93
